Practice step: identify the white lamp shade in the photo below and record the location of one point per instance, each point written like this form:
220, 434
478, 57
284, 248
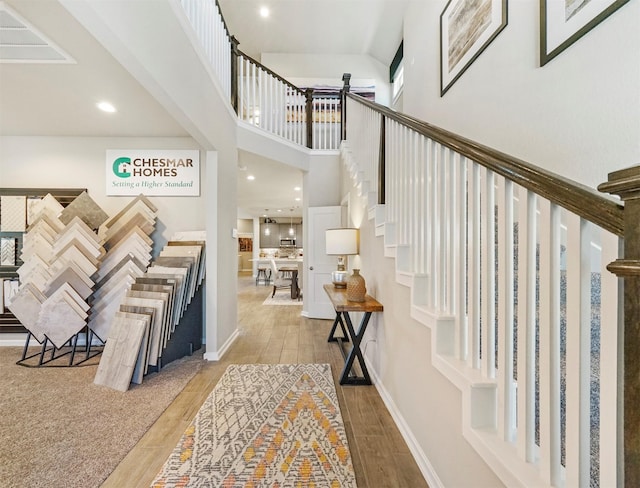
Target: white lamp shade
342, 242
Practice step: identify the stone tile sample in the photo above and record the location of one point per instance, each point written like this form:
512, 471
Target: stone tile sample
187, 263
146, 314
166, 311
74, 277
8, 251
76, 223
179, 275
33, 261
59, 319
180, 249
120, 353
101, 321
33, 208
26, 307
130, 266
81, 306
168, 289
13, 213
140, 221
45, 227
116, 255
37, 276
157, 331
140, 199
84, 207
48, 205
10, 290
190, 235
36, 244
88, 264
165, 281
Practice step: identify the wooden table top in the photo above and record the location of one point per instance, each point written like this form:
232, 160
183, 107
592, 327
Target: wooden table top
338, 297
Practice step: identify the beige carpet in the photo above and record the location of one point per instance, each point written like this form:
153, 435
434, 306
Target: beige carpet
59, 429
265, 426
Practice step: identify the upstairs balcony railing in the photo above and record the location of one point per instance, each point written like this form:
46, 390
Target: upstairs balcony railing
259, 96
514, 268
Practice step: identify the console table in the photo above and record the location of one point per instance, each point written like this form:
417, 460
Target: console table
342, 306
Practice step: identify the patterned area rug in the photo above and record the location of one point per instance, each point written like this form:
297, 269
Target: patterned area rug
265, 426
282, 298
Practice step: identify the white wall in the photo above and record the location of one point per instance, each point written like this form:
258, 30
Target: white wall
578, 116
330, 68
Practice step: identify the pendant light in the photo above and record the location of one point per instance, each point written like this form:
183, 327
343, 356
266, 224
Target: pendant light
267, 229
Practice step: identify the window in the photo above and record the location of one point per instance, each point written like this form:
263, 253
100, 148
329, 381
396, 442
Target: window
396, 75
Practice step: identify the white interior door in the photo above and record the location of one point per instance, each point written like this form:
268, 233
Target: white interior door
319, 264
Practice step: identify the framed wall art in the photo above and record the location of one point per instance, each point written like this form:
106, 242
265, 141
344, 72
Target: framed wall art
563, 22
467, 27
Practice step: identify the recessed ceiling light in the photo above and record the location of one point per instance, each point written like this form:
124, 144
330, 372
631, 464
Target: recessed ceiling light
297, 188
264, 12
297, 199
106, 107
279, 210
251, 177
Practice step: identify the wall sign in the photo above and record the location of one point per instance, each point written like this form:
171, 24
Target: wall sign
153, 172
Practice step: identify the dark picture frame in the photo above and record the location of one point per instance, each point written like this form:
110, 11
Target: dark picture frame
467, 27
245, 244
564, 22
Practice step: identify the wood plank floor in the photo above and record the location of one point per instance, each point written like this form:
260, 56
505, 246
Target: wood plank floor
279, 334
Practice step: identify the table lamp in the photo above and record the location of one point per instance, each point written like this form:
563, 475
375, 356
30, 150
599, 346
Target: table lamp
341, 242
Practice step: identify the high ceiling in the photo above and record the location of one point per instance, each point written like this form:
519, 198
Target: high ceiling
58, 99
371, 27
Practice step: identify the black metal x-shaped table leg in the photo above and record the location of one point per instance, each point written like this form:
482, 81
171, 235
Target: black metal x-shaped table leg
355, 352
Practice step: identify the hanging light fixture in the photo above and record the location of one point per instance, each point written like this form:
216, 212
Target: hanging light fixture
291, 229
267, 229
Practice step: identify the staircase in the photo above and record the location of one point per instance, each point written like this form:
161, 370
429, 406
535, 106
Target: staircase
497, 258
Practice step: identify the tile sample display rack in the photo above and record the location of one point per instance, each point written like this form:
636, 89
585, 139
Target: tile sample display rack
8, 322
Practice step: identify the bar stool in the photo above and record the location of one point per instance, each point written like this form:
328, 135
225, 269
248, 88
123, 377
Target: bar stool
262, 275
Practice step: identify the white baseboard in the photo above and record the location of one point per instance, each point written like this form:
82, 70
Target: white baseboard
13, 339
19, 339
421, 459
217, 355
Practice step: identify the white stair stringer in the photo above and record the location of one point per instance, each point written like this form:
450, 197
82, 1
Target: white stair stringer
479, 394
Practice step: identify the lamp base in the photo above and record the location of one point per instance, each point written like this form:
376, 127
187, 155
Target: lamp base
339, 278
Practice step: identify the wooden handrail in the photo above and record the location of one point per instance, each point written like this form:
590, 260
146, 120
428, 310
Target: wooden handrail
224, 22
579, 199
275, 75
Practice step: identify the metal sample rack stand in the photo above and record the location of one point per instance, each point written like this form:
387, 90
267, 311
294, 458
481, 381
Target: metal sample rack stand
52, 356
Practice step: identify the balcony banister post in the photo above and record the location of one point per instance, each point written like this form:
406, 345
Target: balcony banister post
626, 184
234, 72
346, 78
308, 93
382, 163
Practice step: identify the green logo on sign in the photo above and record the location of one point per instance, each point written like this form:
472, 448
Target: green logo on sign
121, 167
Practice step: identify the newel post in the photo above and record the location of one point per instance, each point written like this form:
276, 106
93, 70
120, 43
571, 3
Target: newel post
234, 73
346, 77
626, 184
382, 163
308, 93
